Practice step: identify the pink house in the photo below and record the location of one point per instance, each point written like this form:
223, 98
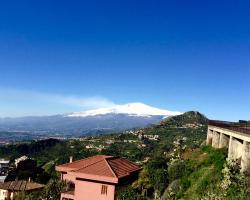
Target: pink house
97, 177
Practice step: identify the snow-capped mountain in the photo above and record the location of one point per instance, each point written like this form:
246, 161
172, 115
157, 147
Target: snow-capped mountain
104, 120
131, 109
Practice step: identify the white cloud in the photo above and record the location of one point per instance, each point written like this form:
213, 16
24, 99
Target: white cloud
30, 99
89, 102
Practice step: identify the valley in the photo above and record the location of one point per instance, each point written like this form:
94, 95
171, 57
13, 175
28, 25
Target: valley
79, 124
175, 161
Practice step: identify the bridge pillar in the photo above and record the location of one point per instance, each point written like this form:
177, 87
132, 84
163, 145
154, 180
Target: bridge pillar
235, 148
209, 136
224, 140
216, 139
230, 148
245, 161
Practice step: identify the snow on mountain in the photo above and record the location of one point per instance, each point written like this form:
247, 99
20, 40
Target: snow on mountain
132, 109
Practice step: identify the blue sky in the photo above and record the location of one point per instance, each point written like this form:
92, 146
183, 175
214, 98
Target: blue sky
63, 56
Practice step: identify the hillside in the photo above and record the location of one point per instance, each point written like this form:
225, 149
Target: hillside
188, 119
181, 168
170, 153
190, 125
136, 149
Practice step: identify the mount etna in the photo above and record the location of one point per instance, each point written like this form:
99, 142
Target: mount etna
116, 118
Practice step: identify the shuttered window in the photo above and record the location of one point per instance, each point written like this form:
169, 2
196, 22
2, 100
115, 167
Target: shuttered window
104, 190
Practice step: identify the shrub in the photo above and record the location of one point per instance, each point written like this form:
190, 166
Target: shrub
129, 194
177, 170
216, 156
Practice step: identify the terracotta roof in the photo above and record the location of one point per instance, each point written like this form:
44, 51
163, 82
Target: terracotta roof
83, 163
101, 165
122, 167
20, 185
100, 168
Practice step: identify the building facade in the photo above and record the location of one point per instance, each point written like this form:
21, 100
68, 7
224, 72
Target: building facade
97, 177
233, 136
4, 163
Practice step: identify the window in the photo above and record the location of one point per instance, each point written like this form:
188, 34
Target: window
104, 189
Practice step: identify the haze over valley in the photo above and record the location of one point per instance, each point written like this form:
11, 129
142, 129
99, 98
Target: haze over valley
92, 122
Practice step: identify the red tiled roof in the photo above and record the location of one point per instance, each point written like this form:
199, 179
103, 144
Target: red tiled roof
99, 168
83, 163
20, 185
122, 167
101, 165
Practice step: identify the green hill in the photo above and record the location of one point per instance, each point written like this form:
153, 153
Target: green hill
192, 171
191, 125
188, 119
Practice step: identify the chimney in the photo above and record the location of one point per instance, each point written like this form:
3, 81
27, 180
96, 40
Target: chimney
71, 159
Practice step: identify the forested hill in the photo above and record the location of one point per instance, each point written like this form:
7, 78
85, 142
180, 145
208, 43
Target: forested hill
191, 125
188, 119
29, 148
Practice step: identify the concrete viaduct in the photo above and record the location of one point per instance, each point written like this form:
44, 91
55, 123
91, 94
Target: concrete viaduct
235, 137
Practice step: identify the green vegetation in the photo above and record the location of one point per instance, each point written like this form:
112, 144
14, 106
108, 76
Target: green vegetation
44, 156
129, 194
203, 172
175, 166
191, 119
29, 149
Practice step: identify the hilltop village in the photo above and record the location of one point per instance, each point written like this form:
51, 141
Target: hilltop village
171, 160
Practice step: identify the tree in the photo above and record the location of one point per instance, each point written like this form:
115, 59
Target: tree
159, 180
143, 184
129, 194
178, 149
176, 170
234, 184
53, 190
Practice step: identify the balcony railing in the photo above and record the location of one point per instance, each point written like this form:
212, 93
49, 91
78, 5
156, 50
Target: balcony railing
70, 194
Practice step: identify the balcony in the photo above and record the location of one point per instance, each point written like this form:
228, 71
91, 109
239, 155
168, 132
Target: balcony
68, 192
68, 195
